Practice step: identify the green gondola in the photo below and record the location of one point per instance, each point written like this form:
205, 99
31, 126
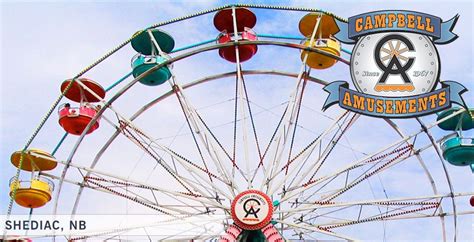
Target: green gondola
151, 56
142, 64
465, 119
459, 151
142, 43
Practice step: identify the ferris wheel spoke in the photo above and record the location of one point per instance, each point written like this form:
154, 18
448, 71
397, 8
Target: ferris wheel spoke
167, 210
426, 130
328, 203
144, 142
375, 202
368, 173
137, 199
439, 214
240, 90
185, 195
242, 94
401, 155
326, 199
309, 148
416, 153
428, 174
203, 132
316, 229
234, 142
172, 210
298, 110
190, 166
360, 163
205, 169
142, 135
289, 116
198, 147
394, 214
379, 217
254, 129
192, 118
282, 132
286, 167
262, 156
125, 123
272, 138
347, 120
239, 97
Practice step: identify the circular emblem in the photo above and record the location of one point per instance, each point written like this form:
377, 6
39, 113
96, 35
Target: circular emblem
395, 64
252, 210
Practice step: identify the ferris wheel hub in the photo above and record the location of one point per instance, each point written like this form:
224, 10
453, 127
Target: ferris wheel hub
252, 210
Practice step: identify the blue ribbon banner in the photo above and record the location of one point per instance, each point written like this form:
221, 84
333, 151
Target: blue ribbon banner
394, 107
396, 21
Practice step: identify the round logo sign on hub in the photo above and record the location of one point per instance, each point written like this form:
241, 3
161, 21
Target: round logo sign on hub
252, 210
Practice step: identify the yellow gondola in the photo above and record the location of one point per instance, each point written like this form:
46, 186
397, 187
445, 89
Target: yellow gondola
34, 160
31, 194
324, 40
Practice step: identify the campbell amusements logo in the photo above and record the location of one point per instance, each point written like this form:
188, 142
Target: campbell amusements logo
395, 65
252, 210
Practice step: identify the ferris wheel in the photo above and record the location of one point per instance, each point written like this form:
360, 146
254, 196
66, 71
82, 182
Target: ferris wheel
244, 148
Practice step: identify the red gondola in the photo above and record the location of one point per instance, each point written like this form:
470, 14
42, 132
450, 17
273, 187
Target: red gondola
77, 93
245, 51
245, 21
75, 119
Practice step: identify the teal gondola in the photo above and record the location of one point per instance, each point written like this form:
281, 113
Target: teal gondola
464, 119
141, 64
458, 150
152, 47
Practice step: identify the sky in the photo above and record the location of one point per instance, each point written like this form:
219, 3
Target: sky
46, 42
